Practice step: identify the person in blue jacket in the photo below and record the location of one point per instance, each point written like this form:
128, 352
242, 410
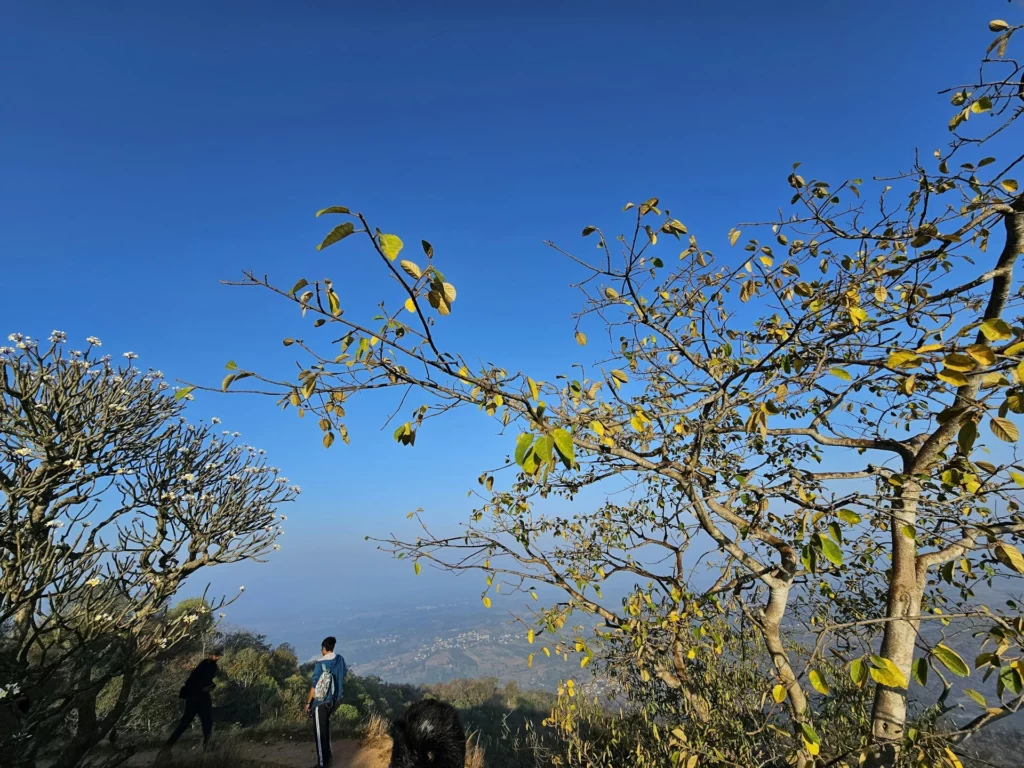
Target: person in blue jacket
324, 695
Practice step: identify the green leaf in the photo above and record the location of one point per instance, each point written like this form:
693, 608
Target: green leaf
810, 734
564, 446
1004, 429
183, 393
968, 434
298, 286
340, 232
390, 246
977, 697
587, 231
543, 448
1018, 478
523, 443
885, 672
818, 682
858, 671
848, 516
332, 209
839, 373
1009, 185
951, 660
831, 551
996, 330
227, 381
919, 671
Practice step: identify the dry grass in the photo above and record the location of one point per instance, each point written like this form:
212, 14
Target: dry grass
474, 752
376, 730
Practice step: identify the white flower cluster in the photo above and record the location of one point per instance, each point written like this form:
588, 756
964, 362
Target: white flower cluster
9, 691
94, 342
23, 451
58, 337
55, 524
93, 582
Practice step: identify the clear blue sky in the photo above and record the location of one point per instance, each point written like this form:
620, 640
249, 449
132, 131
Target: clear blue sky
148, 150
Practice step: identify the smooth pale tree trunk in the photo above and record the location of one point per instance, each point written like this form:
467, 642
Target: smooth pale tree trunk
906, 591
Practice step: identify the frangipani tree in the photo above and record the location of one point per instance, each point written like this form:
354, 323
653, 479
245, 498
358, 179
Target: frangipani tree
829, 414
109, 502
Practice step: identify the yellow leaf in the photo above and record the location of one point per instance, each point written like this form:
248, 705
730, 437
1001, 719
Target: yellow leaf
546, 652
766, 260
416, 567
534, 392
955, 378
908, 384
839, 373
958, 362
779, 694
858, 315
881, 294
410, 305
411, 269
598, 428
1004, 429
529, 661
901, 358
929, 348
487, 602
529, 637
818, 682
611, 294
1009, 185
584, 661
390, 245
996, 329
888, 674
954, 761
581, 338
449, 292
1010, 556
982, 353
734, 236
998, 25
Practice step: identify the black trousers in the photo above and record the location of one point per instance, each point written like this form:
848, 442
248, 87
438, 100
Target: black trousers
322, 733
196, 705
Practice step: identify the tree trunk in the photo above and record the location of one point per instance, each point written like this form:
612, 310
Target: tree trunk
906, 590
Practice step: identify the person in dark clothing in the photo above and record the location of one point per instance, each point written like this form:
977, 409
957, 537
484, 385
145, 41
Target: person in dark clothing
324, 695
196, 693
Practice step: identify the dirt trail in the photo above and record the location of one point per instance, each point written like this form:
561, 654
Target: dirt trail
293, 753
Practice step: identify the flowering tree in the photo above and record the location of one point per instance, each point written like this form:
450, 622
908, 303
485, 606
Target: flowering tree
824, 421
109, 501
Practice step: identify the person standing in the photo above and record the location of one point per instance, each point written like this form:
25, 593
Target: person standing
324, 695
198, 703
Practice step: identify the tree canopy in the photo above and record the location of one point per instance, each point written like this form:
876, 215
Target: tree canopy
822, 415
109, 501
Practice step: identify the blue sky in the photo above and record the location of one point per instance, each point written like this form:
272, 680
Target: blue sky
150, 150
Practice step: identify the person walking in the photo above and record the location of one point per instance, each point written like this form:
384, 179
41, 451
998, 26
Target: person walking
328, 676
198, 703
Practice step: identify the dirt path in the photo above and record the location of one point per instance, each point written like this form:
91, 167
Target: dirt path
293, 753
